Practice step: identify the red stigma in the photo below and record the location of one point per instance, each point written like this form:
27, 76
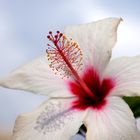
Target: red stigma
50, 32
48, 37
61, 34
54, 38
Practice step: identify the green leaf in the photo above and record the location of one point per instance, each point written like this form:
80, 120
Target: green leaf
134, 104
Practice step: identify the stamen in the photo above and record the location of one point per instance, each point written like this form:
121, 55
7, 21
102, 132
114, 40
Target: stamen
65, 51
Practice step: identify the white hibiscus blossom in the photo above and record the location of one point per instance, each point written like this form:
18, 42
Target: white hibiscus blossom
83, 86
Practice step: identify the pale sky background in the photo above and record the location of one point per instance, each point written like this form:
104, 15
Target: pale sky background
24, 25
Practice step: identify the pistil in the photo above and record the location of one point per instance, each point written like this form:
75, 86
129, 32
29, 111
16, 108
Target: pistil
60, 51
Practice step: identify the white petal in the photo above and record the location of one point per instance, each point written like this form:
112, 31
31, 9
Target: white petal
36, 77
54, 120
126, 74
114, 122
96, 40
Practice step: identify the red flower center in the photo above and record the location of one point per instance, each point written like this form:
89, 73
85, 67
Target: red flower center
66, 58
100, 90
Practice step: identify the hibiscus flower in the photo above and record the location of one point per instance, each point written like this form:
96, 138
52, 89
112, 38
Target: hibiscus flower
83, 86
